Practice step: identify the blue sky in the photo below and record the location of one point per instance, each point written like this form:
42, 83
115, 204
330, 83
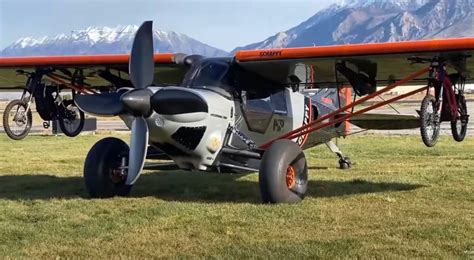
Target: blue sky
223, 24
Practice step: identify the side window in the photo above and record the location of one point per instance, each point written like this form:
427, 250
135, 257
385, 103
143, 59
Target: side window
261, 99
279, 103
258, 112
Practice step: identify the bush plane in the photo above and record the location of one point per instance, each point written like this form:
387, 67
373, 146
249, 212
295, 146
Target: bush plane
254, 112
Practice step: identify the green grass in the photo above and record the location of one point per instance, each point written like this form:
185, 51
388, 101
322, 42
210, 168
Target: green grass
401, 199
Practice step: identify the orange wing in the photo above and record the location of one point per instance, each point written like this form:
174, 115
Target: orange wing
315, 65
93, 67
76, 61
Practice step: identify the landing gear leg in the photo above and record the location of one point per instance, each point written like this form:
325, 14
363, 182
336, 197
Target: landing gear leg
344, 162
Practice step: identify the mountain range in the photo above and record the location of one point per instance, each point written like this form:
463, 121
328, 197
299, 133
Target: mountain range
349, 21
105, 40
363, 21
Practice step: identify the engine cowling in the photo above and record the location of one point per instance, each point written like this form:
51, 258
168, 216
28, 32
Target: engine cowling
190, 124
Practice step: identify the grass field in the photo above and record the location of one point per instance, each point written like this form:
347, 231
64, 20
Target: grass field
401, 199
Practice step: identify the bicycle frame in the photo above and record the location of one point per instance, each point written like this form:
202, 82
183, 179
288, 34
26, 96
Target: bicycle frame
35, 78
442, 84
50, 101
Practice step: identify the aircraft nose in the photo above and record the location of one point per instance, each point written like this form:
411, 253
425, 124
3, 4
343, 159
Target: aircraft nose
176, 101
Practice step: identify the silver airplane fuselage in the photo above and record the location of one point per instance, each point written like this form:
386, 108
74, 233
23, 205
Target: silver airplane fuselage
192, 123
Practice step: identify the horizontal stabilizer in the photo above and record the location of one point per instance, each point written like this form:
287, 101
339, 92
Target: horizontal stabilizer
386, 121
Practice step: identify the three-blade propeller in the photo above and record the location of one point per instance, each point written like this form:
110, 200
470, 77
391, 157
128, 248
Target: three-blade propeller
135, 102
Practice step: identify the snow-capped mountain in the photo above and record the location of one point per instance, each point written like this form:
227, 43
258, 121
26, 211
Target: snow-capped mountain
362, 21
349, 21
398, 4
105, 40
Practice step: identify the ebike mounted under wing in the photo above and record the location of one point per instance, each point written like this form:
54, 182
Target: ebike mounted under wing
50, 105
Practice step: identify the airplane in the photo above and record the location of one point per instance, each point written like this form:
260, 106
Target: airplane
256, 111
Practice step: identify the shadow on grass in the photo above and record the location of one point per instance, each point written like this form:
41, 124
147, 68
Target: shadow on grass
318, 168
181, 186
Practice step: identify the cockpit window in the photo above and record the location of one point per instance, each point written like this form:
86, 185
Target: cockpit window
215, 76
210, 74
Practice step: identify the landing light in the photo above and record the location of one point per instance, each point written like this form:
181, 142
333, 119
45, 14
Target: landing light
214, 142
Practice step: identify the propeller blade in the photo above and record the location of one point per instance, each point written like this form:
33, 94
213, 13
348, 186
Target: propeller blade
104, 104
142, 63
138, 149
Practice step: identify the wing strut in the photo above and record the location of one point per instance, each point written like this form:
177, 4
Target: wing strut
80, 89
318, 124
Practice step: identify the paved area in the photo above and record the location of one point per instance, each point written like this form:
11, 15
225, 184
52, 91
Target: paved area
402, 107
409, 108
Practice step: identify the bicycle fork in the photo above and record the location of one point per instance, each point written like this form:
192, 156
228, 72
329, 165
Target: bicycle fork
30, 98
439, 101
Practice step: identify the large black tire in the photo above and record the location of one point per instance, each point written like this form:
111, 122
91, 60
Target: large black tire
274, 177
10, 115
430, 121
71, 120
105, 156
459, 125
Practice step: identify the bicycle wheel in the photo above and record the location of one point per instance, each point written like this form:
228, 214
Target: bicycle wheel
16, 120
430, 121
71, 118
459, 124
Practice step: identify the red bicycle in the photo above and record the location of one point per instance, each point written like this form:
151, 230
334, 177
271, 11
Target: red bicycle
447, 104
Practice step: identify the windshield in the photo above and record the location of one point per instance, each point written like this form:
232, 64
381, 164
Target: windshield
210, 74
